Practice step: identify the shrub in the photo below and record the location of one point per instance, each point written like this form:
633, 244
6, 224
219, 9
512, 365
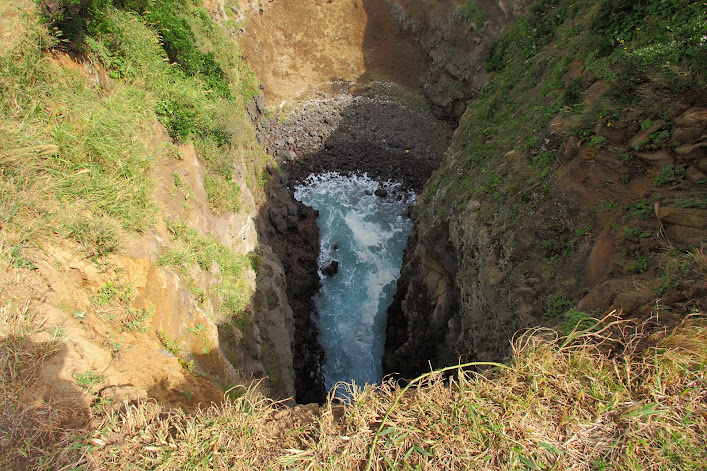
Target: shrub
669, 175
74, 18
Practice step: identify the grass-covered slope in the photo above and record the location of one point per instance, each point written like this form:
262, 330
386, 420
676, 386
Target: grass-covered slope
128, 167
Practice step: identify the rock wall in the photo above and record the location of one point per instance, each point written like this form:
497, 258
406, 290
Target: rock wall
455, 37
600, 238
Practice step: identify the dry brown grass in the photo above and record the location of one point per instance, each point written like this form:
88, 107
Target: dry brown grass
621, 398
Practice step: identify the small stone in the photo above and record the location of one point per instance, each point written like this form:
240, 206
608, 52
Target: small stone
381, 192
286, 155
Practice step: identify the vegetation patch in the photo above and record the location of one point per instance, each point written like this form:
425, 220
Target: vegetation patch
191, 248
587, 399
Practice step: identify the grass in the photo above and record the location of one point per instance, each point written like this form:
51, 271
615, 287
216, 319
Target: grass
73, 155
191, 248
222, 195
88, 379
621, 397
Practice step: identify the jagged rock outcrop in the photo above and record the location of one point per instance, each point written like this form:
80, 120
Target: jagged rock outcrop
456, 39
291, 229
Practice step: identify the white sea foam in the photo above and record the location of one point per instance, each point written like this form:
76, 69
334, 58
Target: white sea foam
370, 236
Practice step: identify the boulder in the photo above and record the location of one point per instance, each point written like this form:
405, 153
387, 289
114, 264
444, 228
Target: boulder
690, 217
684, 225
644, 137
659, 158
693, 117
696, 154
288, 155
331, 269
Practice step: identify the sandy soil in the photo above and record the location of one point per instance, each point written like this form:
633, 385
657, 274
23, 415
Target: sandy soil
297, 44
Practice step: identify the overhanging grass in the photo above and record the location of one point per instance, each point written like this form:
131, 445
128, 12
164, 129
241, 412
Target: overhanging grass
592, 401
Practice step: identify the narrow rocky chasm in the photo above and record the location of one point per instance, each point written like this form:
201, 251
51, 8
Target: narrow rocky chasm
357, 130
354, 87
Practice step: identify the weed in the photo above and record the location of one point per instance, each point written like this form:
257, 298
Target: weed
596, 140
556, 305
88, 379
670, 175
106, 294
608, 205
646, 124
135, 319
179, 181
632, 231
640, 265
198, 329
172, 346
625, 157
641, 209
115, 347
186, 364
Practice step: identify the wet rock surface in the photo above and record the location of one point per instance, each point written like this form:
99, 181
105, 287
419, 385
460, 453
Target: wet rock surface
351, 133
291, 229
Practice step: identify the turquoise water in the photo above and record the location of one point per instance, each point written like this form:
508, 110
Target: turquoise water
366, 234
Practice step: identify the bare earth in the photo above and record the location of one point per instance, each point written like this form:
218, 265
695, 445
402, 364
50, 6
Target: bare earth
297, 44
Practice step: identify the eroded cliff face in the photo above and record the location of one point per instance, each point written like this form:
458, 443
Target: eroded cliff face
568, 217
159, 329
455, 37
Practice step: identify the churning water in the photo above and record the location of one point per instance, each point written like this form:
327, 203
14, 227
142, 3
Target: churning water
366, 234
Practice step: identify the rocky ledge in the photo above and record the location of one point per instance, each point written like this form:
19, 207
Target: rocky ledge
358, 132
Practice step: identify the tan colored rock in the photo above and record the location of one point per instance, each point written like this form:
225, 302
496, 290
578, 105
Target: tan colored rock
643, 137
694, 151
696, 154
689, 217
685, 234
659, 158
596, 90
599, 260
701, 164
693, 117
588, 153
612, 134
686, 135
694, 175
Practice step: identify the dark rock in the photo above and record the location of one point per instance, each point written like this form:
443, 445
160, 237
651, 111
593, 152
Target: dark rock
381, 192
331, 269
260, 103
